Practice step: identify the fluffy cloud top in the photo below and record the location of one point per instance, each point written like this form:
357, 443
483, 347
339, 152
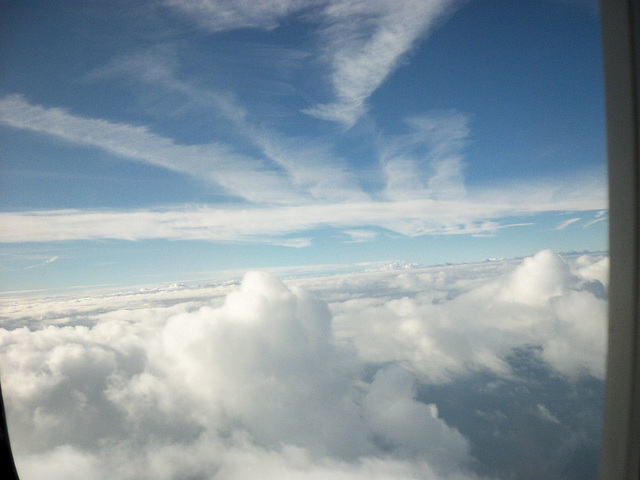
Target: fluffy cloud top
259, 378
441, 325
268, 380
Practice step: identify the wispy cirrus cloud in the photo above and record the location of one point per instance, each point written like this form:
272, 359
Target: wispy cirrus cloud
475, 214
568, 222
545, 414
425, 193
222, 15
361, 42
51, 260
601, 216
291, 170
237, 174
364, 42
310, 165
360, 235
427, 162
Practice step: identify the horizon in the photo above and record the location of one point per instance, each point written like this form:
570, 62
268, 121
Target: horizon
220, 277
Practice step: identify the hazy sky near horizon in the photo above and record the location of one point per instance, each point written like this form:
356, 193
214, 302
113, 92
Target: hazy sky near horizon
159, 141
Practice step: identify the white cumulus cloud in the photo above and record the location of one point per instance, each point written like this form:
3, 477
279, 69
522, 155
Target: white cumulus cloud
315, 378
257, 383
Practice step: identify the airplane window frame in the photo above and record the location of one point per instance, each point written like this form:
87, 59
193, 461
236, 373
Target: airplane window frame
621, 425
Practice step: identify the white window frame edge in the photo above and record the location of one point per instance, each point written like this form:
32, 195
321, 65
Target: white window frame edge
621, 442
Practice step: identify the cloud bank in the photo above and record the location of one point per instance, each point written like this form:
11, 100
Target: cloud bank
321, 377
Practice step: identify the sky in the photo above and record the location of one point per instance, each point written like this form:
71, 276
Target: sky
303, 239
162, 141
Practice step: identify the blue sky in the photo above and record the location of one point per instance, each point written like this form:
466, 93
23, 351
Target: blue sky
161, 140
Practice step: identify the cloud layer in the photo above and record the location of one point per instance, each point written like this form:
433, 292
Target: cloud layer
267, 379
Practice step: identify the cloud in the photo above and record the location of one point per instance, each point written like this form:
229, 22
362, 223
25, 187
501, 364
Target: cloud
545, 414
566, 223
51, 260
427, 162
256, 384
537, 279
238, 174
425, 192
361, 235
241, 462
226, 381
310, 170
580, 334
597, 271
217, 16
600, 217
311, 166
442, 323
364, 43
472, 215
